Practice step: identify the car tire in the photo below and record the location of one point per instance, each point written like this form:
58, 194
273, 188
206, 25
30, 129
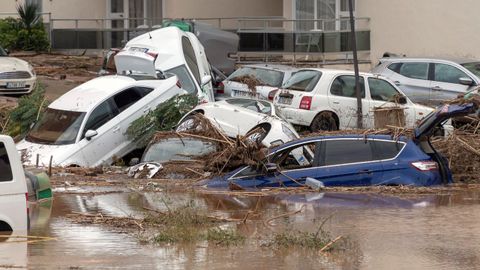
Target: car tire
256, 134
324, 121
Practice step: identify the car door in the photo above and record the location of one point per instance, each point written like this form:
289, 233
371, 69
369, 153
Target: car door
342, 98
386, 152
348, 162
383, 94
445, 83
412, 78
101, 120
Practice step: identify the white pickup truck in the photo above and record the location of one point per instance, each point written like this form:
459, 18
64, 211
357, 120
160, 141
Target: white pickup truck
13, 188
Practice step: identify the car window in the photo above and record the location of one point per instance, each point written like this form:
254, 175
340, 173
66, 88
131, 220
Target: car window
447, 73
338, 152
178, 149
304, 80
473, 67
5, 169
387, 149
414, 70
100, 115
268, 77
185, 79
190, 58
126, 98
296, 158
382, 90
251, 104
345, 86
395, 67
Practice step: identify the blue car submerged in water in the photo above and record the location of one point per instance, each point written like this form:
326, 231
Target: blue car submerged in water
353, 160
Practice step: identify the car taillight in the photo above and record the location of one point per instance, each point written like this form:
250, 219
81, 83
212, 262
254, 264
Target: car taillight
425, 165
154, 55
305, 103
179, 84
272, 93
221, 88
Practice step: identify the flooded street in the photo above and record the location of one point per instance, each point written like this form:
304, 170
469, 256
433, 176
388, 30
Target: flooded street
383, 231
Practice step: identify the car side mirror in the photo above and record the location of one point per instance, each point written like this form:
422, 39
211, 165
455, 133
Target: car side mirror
134, 161
402, 100
270, 168
90, 134
206, 79
465, 81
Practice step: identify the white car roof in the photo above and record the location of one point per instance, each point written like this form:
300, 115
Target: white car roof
87, 95
338, 71
167, 42
272, 67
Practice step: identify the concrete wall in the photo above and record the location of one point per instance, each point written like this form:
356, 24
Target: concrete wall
423, 28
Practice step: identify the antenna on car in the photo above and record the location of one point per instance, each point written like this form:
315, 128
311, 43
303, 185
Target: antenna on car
149, 35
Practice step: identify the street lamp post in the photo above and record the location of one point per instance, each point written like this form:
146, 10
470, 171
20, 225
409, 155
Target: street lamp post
355, 67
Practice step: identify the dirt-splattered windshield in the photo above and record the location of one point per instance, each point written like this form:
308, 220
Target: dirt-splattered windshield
56, 127
171, 149
267, 77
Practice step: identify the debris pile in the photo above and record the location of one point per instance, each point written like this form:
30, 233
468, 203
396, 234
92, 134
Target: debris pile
6, 106
250, 81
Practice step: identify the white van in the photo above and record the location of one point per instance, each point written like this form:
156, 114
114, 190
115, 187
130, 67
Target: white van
86, 126
177, 52
13, 188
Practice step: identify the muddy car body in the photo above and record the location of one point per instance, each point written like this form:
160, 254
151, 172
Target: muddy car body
16, 75
233, 118
353, 160
87, 125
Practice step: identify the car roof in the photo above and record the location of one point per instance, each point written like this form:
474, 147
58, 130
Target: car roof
337, 71
272, 67
458, 60
87, 95
343, 136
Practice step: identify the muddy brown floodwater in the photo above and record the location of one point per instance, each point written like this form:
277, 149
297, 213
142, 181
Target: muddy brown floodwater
384, 231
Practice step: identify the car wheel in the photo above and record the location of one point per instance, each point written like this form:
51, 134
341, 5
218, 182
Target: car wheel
324, 121
256, 135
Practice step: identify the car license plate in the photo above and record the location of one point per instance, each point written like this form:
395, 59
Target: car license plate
239, 93
284, 100
11, 85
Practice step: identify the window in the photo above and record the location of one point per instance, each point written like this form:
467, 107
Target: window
346, 151
190, 58
185, 79
267, 77
473, 67
345, 86
251, 104
387, 149
329, 11
382, 90
448, 74
395, 67
304, 80
126, 98
100, 115
5, 169
298, 157
414, 70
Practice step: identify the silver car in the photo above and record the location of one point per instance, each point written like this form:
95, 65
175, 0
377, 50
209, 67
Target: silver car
430, 80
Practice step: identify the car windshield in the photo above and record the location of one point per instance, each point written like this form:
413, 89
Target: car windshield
56, 127
267, 77
251, 104
473, 67
3, 52
177, 149
304, 80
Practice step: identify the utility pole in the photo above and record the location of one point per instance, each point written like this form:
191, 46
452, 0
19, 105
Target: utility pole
355, 67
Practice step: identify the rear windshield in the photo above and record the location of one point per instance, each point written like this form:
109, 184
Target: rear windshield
266, 77
177, 149
56, 127
304, 80
473, 67
5, 169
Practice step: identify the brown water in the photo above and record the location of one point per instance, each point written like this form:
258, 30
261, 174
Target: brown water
385, 232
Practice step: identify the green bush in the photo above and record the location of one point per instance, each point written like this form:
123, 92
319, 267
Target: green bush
35, 40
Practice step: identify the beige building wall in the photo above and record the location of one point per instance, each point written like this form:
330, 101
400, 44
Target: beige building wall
423, 28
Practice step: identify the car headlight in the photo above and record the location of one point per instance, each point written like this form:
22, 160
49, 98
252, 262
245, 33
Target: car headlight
30, 68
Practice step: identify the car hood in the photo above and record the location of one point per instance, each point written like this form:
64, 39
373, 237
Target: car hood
60, 154
12, 64
442, 113
126, 61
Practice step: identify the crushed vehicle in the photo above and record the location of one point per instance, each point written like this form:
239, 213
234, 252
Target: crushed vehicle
173, 51
353, 160
86, 126
170, 147
16, 76
325, 99
256, 81
13, 188
252, 118
430, 80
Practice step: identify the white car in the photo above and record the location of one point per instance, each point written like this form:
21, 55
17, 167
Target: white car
325, 99
257, 121
13, 189
270, 78
86, 126
178, 52
16, 75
